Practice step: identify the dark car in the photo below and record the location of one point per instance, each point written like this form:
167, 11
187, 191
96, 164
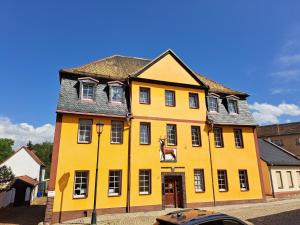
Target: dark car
197, 216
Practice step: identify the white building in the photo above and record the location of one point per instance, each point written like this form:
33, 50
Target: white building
24, 162
280, 169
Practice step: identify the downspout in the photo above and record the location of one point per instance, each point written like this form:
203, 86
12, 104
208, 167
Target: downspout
210, 127
272, 185
129, 117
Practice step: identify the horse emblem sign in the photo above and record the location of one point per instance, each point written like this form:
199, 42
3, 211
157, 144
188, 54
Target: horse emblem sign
167, 154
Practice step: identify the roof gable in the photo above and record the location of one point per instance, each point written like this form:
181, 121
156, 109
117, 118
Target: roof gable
30, 153
170, 68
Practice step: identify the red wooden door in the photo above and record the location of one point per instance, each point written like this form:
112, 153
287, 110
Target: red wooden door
173, 192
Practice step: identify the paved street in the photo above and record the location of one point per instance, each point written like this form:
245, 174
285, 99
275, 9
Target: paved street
283, 212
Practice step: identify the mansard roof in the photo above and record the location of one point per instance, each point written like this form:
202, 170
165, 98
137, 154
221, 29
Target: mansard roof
119, 67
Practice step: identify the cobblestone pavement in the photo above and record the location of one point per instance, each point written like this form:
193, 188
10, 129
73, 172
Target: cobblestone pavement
278, 212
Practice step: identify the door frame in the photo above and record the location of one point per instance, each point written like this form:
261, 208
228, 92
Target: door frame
175, 174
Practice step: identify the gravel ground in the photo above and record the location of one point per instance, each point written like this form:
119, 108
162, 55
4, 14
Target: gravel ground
278, 212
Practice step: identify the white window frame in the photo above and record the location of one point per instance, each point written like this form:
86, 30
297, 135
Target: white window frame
298, 178
112, 88
235, 109
238, 138
79, 182
196, 98
115, 182
222, 180
170, 98
145, 137
196, 136
244, 182
83, 124
171, 137
116, 134
215, 107
144, 95
218, 137
93, 88
144, 177
199, 182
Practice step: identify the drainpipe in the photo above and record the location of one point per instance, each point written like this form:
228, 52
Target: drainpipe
129, 118
210, 127
272, 185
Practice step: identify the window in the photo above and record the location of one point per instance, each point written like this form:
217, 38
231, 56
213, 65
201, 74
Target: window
196, 138
116, 94
279, 180
222, 180
218, 136
145, 182
145, 95
116, 136
199, 180
244, 185
212, 104
145, 133
290, 179
193, 100
238, 138
232, 106
88, 91
114, 185
278, 142
298, 141
171, 134
80, 184
85, 131
298, 178
170, 98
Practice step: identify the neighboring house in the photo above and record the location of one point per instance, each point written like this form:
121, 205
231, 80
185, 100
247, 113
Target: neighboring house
281, 170
285, 135
161, 146
25, 163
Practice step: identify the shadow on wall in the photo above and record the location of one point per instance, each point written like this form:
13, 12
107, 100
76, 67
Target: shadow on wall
63, 181
284, 218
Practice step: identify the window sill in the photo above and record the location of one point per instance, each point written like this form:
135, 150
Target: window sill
196, 146
194, 107
244, 190
219, 146
114, 195
145, 103
200, 191
221, 190
144, 193
145, 143
80, 142
116, 143
79, 197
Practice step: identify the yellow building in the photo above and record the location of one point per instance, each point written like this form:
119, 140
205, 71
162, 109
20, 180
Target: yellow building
171, 138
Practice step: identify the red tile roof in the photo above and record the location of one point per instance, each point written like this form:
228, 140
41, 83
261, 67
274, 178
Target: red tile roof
27, 180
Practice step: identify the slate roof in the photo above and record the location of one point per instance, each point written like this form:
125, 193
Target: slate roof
275, 155
278, 129
119, 67
244, 117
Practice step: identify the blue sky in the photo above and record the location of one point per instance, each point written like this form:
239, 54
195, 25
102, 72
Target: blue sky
253, 46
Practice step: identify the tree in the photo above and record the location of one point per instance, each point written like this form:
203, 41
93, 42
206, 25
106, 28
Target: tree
6, 175
44, 152
29, 145
5, 148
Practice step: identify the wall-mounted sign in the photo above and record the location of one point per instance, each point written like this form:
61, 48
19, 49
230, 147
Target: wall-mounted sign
167, 154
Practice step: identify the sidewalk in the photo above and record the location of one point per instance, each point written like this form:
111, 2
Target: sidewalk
275, 212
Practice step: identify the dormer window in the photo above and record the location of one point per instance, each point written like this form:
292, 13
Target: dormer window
212, 102
232, 104
88, 91
116, 91
87, 88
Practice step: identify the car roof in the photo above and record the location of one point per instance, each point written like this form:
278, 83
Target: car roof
193, 216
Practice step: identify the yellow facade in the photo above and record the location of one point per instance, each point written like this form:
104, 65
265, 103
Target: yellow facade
75, 157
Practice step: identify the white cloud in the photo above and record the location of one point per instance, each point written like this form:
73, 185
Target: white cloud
266, 113
21, 133
287, 75
284, 90
288, 60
